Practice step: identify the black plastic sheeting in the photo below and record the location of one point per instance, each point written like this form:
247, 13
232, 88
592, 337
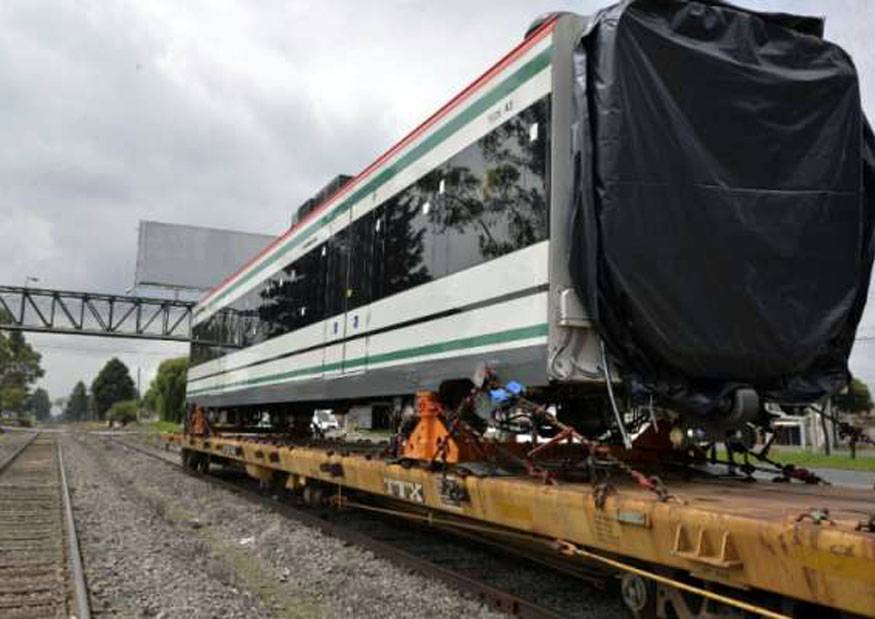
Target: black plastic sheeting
724, 205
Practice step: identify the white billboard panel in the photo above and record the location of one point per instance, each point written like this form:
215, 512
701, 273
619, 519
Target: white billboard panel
192, 257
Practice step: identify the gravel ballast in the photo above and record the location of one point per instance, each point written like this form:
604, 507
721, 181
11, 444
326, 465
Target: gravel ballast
159, 543
11, 440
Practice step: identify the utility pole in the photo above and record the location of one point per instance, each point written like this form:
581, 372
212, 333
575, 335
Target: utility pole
827, 448
139, 395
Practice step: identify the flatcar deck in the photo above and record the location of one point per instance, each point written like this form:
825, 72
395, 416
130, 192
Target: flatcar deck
809, 543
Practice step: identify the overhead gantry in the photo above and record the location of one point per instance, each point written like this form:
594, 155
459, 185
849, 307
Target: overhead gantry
45, 310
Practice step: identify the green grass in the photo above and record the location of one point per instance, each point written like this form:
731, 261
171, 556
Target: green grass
864, 461
373, 433
808, 459
86, 426
156, 427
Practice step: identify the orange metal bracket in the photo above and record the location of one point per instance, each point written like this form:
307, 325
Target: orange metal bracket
431, 439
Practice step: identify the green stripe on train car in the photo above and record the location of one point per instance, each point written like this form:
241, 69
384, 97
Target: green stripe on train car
507, 86
499, 337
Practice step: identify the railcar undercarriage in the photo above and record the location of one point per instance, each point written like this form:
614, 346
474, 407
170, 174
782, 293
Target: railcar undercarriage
665, 516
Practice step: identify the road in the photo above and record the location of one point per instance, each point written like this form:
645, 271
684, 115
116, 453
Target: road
853, 479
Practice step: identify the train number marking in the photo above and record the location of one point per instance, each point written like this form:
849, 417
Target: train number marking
407, 490
500, 111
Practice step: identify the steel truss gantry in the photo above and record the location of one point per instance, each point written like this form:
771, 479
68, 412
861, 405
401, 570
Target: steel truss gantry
86, 313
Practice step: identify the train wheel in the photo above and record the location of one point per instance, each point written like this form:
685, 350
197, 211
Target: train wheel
313, 496
639, 595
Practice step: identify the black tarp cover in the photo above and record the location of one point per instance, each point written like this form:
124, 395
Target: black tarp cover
723, 219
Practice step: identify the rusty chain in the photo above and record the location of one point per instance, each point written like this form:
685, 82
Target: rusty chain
538, 412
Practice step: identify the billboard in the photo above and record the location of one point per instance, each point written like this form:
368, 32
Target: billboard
192, 257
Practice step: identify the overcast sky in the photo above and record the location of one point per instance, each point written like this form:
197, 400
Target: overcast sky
229, 114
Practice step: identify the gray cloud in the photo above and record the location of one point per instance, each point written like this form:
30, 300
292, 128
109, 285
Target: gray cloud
228, 115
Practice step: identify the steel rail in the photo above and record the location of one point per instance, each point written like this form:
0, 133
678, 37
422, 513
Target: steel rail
498, 599
77, 574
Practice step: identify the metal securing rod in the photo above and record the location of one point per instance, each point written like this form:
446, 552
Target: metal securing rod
77, 574
627, 442
569, 548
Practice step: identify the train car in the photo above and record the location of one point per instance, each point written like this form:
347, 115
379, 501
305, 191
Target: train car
473, 241
439, 255
653, 225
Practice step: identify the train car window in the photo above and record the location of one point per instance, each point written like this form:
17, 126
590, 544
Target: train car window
276, 305
473, 231
293, 298
231, 327
249, 315
525, 157
228, 328
201, 334
208, 338
424, 201
487, 200
249, 322
336, 273
378, 260
403, 247
199, 353
361, 259
496, 196
309, 283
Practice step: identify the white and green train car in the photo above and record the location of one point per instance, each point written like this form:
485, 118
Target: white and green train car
449, 250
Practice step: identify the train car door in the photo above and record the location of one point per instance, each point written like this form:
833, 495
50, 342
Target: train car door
336, 274
358, 292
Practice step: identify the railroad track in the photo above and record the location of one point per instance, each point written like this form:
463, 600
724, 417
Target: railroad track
40, 567
441, 559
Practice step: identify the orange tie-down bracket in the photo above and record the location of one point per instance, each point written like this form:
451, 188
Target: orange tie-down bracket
434, 438
200, 426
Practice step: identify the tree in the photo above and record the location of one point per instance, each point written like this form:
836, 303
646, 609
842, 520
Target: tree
19, 368
149, 402
124, 411
77, 404
168, 389
113, 384
40, 405
855, 399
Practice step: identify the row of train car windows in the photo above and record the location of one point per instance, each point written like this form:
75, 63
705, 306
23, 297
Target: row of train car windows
489, 199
